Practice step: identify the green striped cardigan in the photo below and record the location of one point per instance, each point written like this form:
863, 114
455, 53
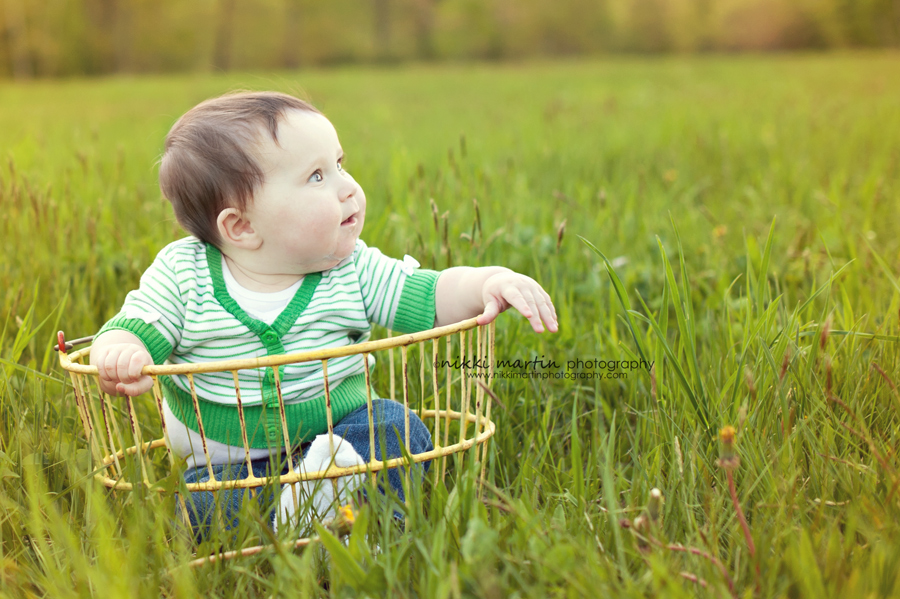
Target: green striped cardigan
182, 312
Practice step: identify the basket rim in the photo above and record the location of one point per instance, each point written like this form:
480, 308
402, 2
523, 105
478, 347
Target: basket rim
68, 361
488, 430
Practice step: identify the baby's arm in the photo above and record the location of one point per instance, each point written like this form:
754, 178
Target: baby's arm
119, 357
464, 292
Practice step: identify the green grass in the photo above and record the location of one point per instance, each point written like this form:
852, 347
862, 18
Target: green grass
746, 208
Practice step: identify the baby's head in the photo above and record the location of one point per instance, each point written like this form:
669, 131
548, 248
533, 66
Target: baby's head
235, 170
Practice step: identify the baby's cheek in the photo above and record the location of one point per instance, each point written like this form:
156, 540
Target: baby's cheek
315, 218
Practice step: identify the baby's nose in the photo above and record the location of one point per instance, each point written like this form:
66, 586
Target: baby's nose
348, 190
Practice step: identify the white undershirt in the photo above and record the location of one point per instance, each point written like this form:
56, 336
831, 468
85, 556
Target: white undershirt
261, 306
186, 443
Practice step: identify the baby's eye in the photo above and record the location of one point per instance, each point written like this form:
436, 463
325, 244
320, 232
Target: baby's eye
340, 164
316, 177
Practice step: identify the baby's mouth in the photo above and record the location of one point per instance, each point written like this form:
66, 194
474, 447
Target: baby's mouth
349, 222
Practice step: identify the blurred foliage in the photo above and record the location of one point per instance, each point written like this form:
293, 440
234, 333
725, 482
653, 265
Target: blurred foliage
48, 38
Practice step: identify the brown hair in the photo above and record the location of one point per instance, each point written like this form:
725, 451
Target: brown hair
209, 163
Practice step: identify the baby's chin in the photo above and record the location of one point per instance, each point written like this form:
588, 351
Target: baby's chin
339, 257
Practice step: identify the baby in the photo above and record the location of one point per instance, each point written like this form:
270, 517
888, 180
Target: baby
275, 265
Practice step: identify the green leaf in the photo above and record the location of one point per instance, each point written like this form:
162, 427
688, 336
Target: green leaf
884, 267
699, 410
761, 285
621, 294
357, 545
577, 466
479, 542
30, 371
685, 326
610, 495
349, 569
824, 286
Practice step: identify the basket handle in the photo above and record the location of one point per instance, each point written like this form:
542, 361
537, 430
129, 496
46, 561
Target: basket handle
68, 345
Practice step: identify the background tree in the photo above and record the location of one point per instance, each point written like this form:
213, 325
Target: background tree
424, 15
16, 34
48, 38
382, 19
224, 31
293, 37
648, 30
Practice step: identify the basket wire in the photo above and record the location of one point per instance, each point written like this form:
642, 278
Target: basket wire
101, 414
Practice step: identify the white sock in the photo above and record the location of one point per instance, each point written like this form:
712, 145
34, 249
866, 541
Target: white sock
316, 497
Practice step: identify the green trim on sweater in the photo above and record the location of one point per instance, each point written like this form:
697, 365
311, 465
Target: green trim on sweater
285, 320
414, 312
269, 335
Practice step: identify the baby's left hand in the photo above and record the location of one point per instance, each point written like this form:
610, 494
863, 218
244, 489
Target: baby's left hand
505, 289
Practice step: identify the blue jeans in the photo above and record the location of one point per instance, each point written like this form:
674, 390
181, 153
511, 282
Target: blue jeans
389, 419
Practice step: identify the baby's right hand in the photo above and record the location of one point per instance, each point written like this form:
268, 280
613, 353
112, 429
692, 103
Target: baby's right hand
119, 366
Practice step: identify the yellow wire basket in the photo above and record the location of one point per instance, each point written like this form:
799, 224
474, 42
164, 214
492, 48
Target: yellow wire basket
455, 370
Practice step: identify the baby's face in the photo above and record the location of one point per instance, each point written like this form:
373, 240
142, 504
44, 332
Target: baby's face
309, 212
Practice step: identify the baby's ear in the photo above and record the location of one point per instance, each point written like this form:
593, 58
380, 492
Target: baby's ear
235, 229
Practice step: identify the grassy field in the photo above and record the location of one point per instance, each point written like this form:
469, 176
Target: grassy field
747, 209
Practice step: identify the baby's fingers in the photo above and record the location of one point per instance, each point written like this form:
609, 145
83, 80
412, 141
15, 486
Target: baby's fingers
141, 383
137, 362
124, 370
108, 369
524, 302
536, 306
120, 371
138, 387
550, 303
491, 310
547, 312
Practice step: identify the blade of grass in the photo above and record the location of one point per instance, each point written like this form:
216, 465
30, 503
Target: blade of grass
685, 328
621, 294
701, 411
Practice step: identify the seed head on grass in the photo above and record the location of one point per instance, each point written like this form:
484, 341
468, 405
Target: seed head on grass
728, 458
641, 526
434, 214
826, 331
785, 362
644, 525
654, 506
